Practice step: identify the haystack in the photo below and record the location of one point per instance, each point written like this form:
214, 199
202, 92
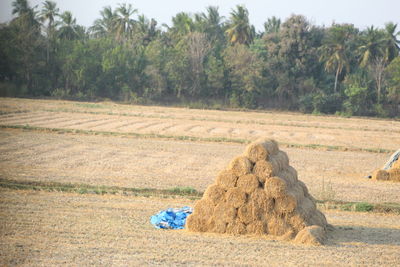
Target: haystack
391, 170
259, 194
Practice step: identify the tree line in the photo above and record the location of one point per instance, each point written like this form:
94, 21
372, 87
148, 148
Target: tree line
203, 59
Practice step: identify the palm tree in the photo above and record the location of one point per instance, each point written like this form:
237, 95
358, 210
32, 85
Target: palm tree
68, 29
372, 46
26, 14
182, 24
48, 13
20, 7
106, 24
147, 30
239, 28
272, 25
124, 24
213, 23
391, 43
334, 51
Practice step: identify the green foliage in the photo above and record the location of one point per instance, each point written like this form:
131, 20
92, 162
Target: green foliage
203, 59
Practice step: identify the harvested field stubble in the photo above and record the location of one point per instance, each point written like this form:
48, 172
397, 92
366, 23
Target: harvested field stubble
260, 203
53, 228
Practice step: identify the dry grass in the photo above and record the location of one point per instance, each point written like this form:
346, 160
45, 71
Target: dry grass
45, 228
160, 164
304, 130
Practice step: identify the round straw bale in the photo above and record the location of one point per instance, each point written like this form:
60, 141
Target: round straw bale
227, 179
236, 228
305, 189
285, 204
281, 159
275, 187
195, 223
219, 226
215, 193
396, 164
381, 175
263, 170
306, 208
257, 228
248, 183
260, 204
297, 222
277, 226
240, 166
256, 151
318, 218
286, 175
311, 235
297, 191
225, 212
270, 144
293, 172
236, 197
204, 208
245, 213
394, 175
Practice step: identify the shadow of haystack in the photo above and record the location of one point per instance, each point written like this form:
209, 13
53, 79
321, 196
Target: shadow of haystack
259, 194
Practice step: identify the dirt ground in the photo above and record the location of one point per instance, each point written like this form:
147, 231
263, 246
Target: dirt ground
54, 228
47, 228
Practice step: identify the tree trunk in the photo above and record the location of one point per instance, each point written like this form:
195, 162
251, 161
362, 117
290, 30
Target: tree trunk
336, 80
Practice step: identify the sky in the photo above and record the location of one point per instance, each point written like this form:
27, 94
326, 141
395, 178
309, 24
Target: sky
361, 13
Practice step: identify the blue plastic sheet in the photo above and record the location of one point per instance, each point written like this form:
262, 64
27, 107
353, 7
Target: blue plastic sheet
171, 218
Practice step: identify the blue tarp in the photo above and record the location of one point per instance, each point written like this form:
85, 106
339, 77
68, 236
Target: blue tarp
171, 218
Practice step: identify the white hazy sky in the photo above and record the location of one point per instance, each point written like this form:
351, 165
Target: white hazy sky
361, 13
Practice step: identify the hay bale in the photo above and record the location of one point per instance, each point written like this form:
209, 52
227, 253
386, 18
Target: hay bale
261, 150
381, 175
245, 213
196, 223
318, 218
266, 198
264, 170
275, 187
227, 179
260, 204
236, 197
311, 235
236, 228
304, 187
394, 175
281, 160
285, 204
396, 164
248, 183
225, 212
297, 222
257, 228
240, 166
204, 208
219, 226
277, 226
215, 193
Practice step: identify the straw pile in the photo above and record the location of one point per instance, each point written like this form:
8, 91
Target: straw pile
390, 174
259, 194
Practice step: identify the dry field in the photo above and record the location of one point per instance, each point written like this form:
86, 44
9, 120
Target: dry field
47, 228
157, 147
